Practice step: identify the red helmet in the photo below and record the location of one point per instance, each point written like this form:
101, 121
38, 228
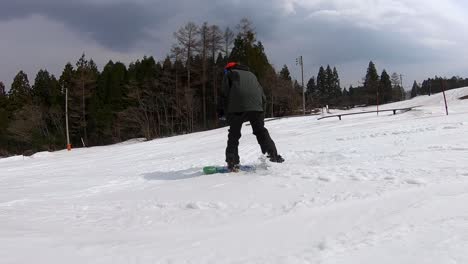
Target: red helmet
230, 65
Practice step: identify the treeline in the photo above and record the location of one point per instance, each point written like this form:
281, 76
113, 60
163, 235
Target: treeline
436, 84
176, 95
375, 89
149, 98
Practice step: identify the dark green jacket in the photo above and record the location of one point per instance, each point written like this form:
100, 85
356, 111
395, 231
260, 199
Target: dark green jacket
241, 91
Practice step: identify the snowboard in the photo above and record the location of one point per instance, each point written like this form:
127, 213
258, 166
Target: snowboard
224, 169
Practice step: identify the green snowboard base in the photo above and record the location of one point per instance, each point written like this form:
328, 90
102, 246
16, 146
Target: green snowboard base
224, 169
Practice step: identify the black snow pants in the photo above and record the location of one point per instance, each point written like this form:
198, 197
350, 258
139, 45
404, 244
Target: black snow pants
256, 120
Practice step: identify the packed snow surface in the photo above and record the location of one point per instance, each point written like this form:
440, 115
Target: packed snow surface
366, 189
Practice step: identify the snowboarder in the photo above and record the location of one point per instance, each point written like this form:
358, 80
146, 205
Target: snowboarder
243, 100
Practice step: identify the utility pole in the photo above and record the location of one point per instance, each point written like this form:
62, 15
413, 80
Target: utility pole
300, 62
66, 119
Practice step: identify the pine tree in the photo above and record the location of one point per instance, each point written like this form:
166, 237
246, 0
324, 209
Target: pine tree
2, 90
48, 100
415, 90
385, 89
329, 86
252, 54
322, 87
285, 74
247, 52
294, 99
371, 84
142, 89
336, 88
352, 96
168, 95
285, 90
311, 87
395, 79
4, 121
3, 104
84, 84
424, 87
20, 93
46, 89
297, 87
312, 93
25, 116
346, 98
22, 112
66, 79
107, 100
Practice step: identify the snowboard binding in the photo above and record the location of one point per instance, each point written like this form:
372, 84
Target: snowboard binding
233, 167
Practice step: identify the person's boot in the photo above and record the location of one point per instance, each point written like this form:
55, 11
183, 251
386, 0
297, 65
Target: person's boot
233, 167
276, 158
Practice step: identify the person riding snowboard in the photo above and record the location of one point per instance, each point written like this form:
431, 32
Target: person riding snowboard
243, 100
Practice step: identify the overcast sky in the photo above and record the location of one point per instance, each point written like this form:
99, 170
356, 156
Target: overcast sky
417, 38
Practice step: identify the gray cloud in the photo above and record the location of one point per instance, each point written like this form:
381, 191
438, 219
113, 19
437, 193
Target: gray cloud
343, 43
121, 25
115, 25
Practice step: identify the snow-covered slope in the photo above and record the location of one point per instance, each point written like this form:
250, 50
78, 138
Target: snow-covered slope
430, 102
367, 189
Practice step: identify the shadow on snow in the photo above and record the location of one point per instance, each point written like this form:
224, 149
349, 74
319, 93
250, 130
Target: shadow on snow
173, 175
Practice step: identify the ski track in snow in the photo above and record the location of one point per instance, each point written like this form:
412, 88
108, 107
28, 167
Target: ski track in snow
366, 189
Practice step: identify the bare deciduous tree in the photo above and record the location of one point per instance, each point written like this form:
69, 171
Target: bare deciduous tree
216, 44
228, 38
187, 44
204, 44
